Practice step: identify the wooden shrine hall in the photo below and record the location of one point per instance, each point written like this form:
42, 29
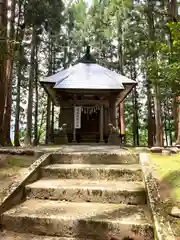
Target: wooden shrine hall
89, 96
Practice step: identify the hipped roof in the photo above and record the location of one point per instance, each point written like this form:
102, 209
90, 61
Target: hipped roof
86, 74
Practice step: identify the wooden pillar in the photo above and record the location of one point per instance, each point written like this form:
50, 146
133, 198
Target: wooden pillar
106, 121
113, 113
122, 119
101, 123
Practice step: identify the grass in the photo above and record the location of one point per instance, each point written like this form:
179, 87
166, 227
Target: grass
13, 170
168, 171
20, 161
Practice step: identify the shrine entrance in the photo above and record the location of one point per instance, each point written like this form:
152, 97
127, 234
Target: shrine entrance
90, 125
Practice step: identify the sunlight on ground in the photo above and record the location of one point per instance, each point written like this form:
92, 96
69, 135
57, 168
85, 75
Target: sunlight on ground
168, 170
12, 171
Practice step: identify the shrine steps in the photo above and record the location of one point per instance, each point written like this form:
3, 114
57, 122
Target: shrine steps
83, 220
82, 196
93, 171
91, 157
78, 190
9, 235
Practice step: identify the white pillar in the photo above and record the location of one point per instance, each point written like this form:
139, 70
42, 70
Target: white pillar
101, 124
74, 130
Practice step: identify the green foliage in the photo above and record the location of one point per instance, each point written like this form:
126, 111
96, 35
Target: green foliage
118, 33
46, 11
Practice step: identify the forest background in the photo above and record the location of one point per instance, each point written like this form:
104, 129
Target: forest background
140, 39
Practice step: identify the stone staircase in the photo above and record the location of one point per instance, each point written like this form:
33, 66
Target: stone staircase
83, 196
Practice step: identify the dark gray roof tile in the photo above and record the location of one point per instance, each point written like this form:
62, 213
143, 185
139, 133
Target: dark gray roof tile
88, 76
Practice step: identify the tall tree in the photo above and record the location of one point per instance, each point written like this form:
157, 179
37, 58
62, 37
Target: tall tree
173, 12
28, 136
36, 73
3, 58
153, 73
9, 74
20, 32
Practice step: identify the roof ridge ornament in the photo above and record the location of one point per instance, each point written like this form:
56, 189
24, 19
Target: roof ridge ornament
87, 58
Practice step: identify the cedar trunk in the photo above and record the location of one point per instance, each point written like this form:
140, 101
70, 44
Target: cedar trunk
37, 101
48, 116
3, 36
150, 118
153, 57
48, 121
19, 37
52, 124
28, 136
9, 73
178, 121
121, 64
17, 112
173, 12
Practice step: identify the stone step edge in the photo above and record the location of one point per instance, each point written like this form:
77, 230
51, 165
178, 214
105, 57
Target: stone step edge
121, 167
91, 171
124, 228
8, 235
87, 184
136, 222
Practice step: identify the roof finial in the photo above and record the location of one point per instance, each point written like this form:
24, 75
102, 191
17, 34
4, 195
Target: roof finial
87, 58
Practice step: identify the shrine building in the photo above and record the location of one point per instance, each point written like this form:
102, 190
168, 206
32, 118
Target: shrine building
89, 96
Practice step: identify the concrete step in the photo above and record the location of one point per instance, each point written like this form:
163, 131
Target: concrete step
94, 171
77, 190
95, 157
8, 235
79, 220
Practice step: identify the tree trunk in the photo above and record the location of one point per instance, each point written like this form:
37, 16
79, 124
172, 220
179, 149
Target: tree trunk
178, 121
52, 124
48, 120
121, 64
135, 118
153, 58
173, 12
170, 126
9, 73
175, 114
40, 126
3, 36
36, 101
136, 109
19, 38
165, 124
48, 111
30, 97
150, 118
17, 112
65, 58
158, 122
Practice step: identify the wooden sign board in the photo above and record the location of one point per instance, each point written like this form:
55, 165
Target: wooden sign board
77, 117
